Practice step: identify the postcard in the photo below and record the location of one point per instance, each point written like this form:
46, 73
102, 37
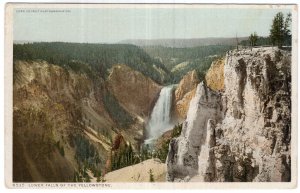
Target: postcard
150, 96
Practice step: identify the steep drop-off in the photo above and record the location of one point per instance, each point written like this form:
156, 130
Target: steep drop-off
135, 92
64, 121
215, 75
243, 133
184, 92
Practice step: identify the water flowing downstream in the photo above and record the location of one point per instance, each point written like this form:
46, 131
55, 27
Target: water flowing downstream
160, 119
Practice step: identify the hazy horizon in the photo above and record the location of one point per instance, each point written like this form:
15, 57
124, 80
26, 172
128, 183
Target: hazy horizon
116, 25
121, 41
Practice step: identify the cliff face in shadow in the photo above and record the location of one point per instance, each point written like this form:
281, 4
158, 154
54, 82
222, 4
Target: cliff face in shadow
64, 121
243, 133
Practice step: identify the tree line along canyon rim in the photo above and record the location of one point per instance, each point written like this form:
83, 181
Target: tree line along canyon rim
155, 110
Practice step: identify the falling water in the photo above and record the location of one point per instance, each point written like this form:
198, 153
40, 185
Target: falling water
160, 119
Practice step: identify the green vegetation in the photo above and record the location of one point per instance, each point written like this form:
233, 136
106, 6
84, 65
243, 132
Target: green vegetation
87, 157
162, 151
199, 58
105, 132
93, 59
60, 148
151, 176
261, 41
85, 151
280, 33
145, 153
253, 39
201, 67
122, 153
81, 175
177, 130
80, 67
115, 110
123, 157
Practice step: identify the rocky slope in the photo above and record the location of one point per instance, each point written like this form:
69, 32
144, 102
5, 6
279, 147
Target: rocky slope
139, 172
135, 92
215, 75
243, 133
184, 92
71, 119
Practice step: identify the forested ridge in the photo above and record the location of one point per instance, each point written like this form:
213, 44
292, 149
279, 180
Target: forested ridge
93, 59
96, 59
198, 58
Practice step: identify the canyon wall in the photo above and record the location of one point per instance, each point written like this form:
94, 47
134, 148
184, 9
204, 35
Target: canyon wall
63, 119
243, 133
184, 93
215, 75
135, 92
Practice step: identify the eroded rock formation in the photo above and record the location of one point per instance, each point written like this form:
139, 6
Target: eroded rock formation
184, 151
215, 75
184, 93
135, 92
242, 134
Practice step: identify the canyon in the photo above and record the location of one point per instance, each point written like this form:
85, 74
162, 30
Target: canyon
241, 133
236, 121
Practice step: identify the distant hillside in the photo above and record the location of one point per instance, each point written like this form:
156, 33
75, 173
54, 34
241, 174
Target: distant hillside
22, 42
184, 43
93, 59
265, 41
179, 61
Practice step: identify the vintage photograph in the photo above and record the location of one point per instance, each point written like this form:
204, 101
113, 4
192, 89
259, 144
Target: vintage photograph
156, 93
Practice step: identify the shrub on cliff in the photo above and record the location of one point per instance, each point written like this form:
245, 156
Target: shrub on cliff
162, 152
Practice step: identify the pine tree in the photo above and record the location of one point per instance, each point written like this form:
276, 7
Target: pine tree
151, 176
287, 31
280, 33
98, 179
253, 39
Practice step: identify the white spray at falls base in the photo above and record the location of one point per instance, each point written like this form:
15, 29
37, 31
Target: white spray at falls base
160, 119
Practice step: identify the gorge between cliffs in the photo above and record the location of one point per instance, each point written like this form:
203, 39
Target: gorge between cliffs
126, 121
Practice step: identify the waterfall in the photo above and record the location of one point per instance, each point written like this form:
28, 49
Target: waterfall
160, 119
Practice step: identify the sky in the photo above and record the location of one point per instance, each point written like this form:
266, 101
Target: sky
114, 25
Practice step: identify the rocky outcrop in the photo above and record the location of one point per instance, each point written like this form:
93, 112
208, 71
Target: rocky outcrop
135, 92
184, 93
243, 134
183, 154
215, 75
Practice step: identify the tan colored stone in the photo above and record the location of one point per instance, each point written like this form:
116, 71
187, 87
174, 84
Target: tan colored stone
185, 92
135, 92
215, 75
251, 138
